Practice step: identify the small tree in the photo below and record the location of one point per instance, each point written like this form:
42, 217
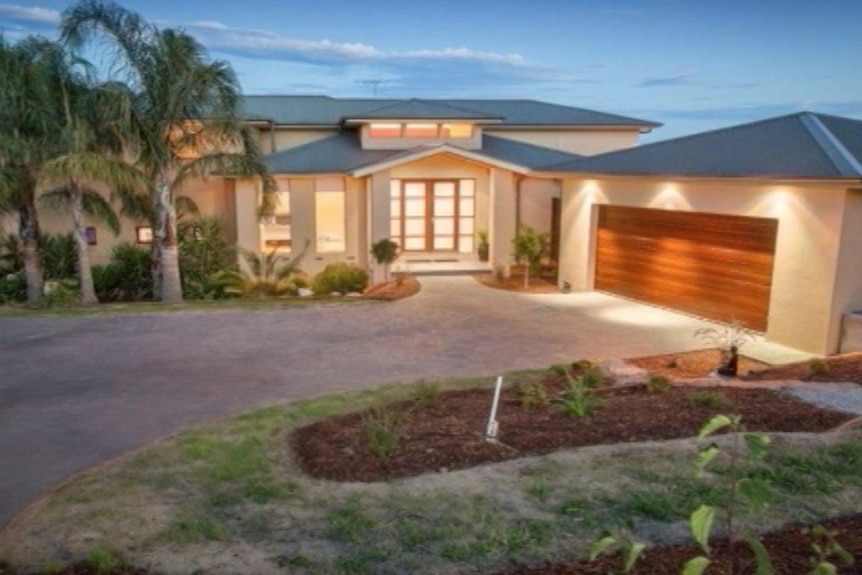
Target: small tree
529, 246
385, 252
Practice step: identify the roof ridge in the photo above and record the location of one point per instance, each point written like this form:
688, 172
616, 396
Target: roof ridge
835, 150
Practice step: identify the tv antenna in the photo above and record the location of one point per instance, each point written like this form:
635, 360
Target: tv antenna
374, 83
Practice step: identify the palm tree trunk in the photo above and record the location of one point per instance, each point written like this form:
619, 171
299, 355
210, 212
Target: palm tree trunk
171, 289
85, 274
28, 238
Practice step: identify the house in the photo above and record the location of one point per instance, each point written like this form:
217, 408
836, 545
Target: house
430, 174
759, 223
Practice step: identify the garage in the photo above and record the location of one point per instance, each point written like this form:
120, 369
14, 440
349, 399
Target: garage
712, 265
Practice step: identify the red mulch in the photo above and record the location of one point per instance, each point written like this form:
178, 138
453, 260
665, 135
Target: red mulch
393, 290
691, 364
449, 434
789, 550
546, 283
847, 367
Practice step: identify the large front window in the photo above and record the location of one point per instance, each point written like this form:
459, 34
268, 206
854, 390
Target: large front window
421, 130
433, 215
329, 217
275, 229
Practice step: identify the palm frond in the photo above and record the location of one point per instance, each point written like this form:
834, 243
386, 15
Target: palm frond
186, 208
100, 210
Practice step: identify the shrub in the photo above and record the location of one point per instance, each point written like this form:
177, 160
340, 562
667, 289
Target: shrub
592, 379
11, 260
529, 246
59, 256
204, 252
531, 395
61, 293
385, 252
13, 288
657, 383
818, 367
340, 277
267, 275
381, 430
711, 399
558, 369
578, 399
582, 365
426, 394
127, 277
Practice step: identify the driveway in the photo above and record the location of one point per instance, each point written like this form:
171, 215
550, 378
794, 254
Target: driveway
78, 390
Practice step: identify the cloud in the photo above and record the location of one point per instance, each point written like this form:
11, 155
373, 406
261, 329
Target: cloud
660, 81
29, 16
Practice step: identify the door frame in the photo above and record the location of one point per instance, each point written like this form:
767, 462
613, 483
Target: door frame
429, 213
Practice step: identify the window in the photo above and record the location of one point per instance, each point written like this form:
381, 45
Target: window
385, 130
275, 229
90, 235
420, 130
144, 234
456, 131
330, 223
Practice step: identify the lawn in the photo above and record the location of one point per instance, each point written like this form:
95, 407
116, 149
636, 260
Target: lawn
231, 497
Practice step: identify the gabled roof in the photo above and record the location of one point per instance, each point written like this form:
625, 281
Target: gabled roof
422, 109
324, 111
342, 153
802, 145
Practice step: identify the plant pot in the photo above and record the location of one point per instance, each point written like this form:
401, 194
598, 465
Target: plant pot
483, 250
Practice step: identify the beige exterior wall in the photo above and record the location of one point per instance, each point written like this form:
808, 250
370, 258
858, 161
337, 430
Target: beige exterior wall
286, 138
802, 313
848, 277
584, 142
502, 215
536, 195
379, 214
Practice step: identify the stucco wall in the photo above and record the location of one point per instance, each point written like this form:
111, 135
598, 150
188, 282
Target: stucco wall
848, 277
585, 142
289, 138
801, 312
535, 207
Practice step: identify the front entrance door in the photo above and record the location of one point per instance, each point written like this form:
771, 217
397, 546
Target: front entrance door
433, 215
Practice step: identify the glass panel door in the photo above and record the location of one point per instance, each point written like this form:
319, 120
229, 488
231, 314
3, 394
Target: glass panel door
415, 216
444, 224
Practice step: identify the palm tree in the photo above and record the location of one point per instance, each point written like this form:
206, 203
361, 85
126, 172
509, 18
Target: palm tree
180, 100
30, 119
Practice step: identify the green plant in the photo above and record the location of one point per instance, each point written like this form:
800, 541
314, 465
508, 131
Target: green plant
381, 427
426, 394
127, 277
530, 246
531, 395
710, 399
592, 379
483, 248
622, 542
340, 277
818, 367
582, 365
558, 369
740, 490
13, 288
11, 259
60, 294
657, 383
268, 275
204, 252
385, 252
59, 260
826, 548
577, 400
733, 334
102, 560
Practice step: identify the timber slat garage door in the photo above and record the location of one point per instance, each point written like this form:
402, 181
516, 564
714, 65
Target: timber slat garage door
711, 265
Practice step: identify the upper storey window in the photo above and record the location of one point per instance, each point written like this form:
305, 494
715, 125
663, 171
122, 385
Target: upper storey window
420, 130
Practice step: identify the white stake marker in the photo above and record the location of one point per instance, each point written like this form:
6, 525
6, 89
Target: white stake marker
491, 431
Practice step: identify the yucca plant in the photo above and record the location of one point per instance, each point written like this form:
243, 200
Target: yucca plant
267, 275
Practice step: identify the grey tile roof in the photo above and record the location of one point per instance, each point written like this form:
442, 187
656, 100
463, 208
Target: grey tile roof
336, 154
803, 145
424, 109
342, 153
326, 111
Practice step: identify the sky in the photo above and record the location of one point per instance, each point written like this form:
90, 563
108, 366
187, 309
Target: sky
692, 65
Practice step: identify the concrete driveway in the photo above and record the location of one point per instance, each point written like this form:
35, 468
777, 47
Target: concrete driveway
77, 390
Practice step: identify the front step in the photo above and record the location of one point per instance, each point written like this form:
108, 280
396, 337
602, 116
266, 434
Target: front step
429, 267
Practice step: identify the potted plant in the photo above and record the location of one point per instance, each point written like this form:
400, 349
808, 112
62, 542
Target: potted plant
483, 248
385, 252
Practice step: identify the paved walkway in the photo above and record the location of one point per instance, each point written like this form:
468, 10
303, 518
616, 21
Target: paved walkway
77, 390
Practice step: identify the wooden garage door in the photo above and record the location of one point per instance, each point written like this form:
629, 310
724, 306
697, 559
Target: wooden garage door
711, 265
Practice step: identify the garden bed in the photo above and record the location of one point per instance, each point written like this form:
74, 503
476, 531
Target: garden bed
393, 290
789, 550
546, 283
691, 364
446, 431
847, 367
